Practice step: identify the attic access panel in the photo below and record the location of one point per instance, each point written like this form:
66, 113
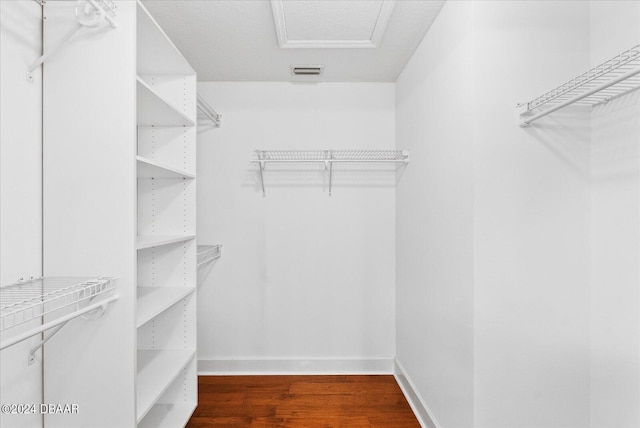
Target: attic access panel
331, 24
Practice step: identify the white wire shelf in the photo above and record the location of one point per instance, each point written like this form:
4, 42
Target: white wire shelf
331, 156
208, 253
61, 299
611, 79
207, 115
328, 158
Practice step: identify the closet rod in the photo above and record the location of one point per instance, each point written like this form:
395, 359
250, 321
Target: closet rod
209, 112
102, 304
527, 121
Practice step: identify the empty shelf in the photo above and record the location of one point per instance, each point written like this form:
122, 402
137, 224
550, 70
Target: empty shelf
154, 300
148, 168
154, 110
168, 416
23, 302
149, 241
156, 52
208, 253
156, 371
611, 79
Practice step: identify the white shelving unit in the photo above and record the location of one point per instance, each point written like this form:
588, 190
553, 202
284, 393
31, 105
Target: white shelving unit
328, 158
166, 291
611, 79
123, 205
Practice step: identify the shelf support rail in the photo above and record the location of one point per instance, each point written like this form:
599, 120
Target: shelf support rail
57, 324
528, 120
90, 14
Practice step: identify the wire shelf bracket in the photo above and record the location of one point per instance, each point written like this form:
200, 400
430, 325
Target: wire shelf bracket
207, 115
60, 299
208, 253
611, 79
326, 157
89, 13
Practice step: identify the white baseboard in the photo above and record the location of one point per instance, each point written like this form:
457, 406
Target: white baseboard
419, 407
248, 366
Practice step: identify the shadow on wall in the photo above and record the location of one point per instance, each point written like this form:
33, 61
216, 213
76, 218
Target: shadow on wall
565, 134
615, 146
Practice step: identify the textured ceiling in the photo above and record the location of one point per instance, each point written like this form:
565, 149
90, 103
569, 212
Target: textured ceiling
235, 40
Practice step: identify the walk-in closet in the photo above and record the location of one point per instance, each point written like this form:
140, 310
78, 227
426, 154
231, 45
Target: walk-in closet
319, 213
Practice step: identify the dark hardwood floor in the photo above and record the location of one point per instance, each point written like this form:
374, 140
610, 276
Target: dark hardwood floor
301, 401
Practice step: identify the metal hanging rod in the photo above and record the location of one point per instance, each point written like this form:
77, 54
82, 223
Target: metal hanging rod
611, 79
208, 253
328, 158
89, 13
60, 300
206, 112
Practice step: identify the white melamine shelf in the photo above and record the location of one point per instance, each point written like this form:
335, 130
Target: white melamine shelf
208, 253
611, 79
148, 168
156, 52
157, 369
155, 300
149, 241
155, 110
168, 415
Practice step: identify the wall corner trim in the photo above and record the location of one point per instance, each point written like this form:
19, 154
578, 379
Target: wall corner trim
419, 407
291, 366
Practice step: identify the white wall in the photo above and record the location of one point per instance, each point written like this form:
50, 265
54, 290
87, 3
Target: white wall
615, 226
20, 188
89, 211
306, 280
531, 202
434, 218
493, 324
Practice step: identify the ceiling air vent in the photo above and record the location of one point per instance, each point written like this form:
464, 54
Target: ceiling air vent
307, 70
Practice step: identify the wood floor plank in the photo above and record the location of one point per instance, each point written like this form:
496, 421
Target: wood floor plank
301, 401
